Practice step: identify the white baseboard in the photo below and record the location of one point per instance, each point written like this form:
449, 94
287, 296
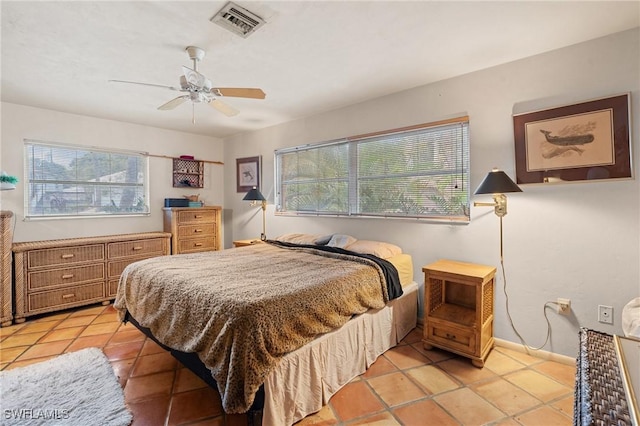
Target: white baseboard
563, 359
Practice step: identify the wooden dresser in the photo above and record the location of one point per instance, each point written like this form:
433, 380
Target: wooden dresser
193, 229
59, 274
6, 237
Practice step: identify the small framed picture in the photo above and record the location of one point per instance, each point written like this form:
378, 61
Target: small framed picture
580, 142
248, 173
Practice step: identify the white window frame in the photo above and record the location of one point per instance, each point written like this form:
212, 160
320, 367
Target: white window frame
457, 158
109, 184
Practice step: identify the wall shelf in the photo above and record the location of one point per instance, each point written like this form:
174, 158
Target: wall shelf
188, 173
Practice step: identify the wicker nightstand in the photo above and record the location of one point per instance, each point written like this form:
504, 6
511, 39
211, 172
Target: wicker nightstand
244, 243
459, 308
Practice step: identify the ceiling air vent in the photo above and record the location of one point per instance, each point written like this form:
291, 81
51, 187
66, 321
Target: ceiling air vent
238, 20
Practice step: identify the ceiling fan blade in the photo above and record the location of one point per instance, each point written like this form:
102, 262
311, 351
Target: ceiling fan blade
174, 102
194, 78
239, 92
227, 110
144, 84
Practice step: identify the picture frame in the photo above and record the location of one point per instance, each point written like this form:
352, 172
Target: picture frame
248, 173
581, 142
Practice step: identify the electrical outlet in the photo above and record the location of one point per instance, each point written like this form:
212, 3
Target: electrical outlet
605, 314
564, 306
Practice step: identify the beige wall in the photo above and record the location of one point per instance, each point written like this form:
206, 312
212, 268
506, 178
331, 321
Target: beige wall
21, 122
576, 241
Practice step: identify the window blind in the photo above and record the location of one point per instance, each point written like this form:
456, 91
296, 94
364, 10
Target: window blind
417, 172
68, 181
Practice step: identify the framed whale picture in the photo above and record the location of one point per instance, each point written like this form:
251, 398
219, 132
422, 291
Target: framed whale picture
585, 141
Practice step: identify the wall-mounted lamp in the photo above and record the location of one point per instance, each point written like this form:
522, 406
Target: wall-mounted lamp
497, 183
254, 195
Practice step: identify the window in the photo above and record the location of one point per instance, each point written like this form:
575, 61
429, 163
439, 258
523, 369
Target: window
417, 172
72, 181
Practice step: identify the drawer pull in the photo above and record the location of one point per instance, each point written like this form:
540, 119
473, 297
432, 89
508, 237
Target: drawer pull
197, 244
68, 296
198, 216
67, 276
68, 256
451, 336
197, 230
137, 248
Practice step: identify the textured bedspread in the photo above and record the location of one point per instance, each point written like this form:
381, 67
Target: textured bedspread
241, 310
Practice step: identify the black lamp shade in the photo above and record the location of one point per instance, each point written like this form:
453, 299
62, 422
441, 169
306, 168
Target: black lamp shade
254, 195
497, 182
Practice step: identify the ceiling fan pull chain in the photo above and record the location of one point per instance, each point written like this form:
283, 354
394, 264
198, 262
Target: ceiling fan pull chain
193, 113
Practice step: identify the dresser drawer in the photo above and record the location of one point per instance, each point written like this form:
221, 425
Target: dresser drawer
186, 217
64, 256
188, 231
65, 297
136, 248
453, 337
197, 244
115, 268
57, 277
112, 288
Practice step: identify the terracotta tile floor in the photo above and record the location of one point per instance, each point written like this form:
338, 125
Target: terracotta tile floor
406, 386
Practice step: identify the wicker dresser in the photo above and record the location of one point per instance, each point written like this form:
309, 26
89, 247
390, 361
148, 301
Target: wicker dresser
193, 229
59, 274
6, 237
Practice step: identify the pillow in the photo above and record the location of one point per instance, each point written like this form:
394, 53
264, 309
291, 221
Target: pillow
299, 238
376, 248
324, 240
341, 240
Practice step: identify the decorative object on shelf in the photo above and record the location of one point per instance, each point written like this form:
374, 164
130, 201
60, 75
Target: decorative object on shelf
7, 182
254, 195
584, 141
188, 173
248, 173
497, 183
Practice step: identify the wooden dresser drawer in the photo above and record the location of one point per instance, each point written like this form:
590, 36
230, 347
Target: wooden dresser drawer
115, 268
57, 277
454, 337
136, 248
65, 297
65, 255
188, 231
187, 217
193, 245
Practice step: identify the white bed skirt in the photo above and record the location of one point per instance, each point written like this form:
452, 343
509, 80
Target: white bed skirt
305, 379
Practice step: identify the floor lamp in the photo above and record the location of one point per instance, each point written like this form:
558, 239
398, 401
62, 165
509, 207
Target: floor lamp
254, 195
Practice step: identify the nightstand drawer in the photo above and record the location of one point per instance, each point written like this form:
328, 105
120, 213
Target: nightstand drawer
189, 231
57, 277
453, 337
186, 217
65, 256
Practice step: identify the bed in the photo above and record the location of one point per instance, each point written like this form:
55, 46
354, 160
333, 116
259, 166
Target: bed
277, 327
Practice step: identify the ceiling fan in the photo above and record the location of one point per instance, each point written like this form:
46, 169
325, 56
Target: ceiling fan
197, 88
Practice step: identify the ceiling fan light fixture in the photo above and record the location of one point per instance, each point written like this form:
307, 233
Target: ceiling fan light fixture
238, 20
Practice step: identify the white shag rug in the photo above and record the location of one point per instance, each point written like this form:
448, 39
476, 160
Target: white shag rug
78, 388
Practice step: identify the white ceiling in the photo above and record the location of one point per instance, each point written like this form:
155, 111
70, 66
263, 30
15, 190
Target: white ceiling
310, 56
